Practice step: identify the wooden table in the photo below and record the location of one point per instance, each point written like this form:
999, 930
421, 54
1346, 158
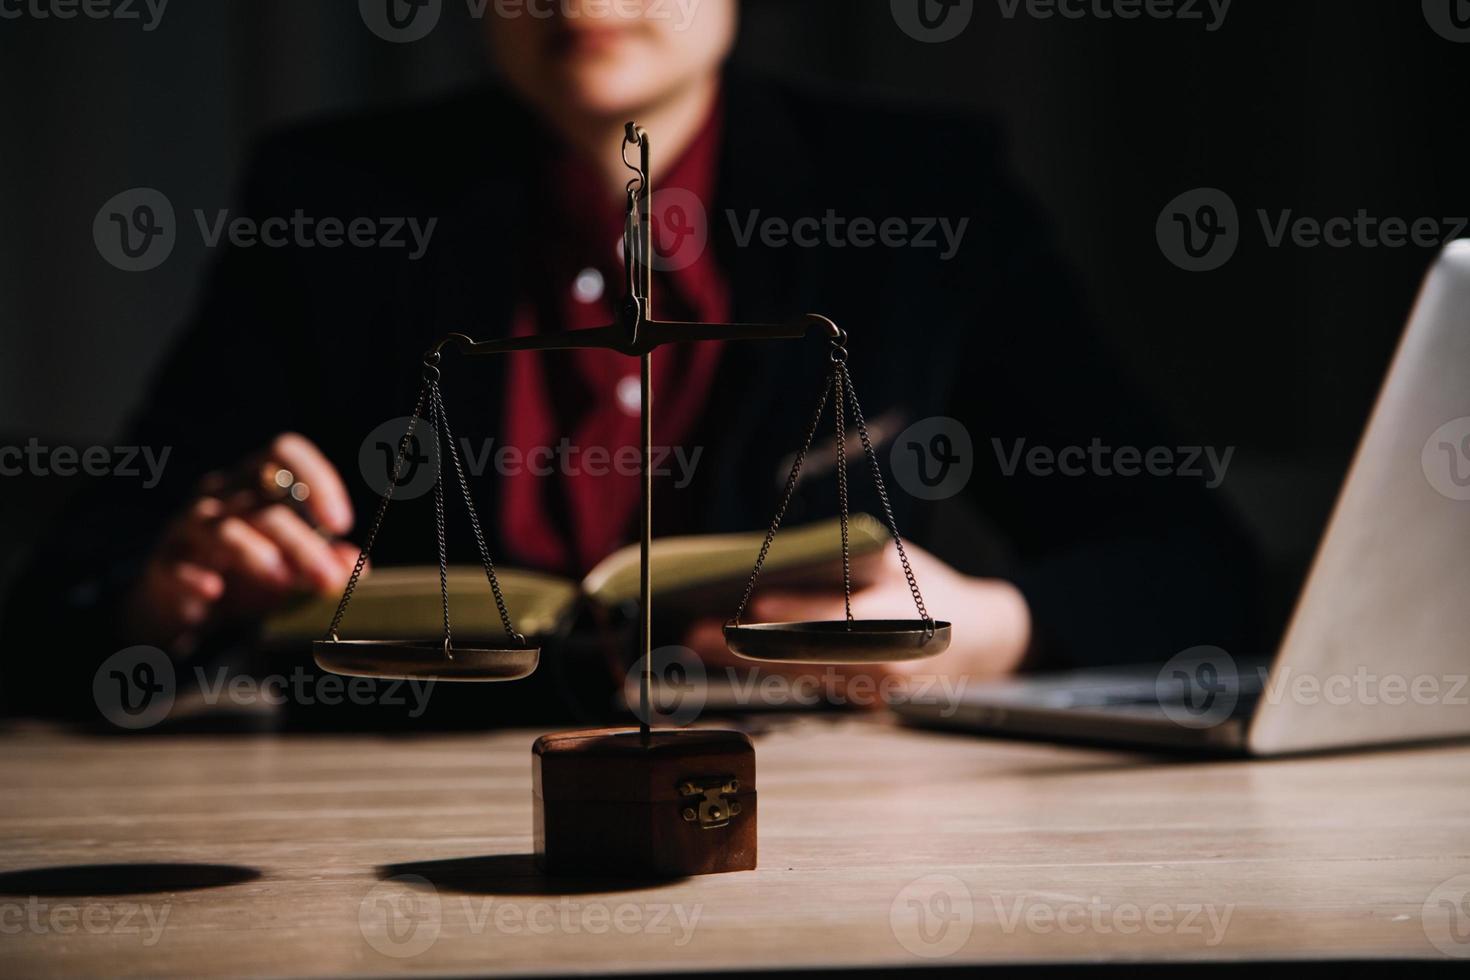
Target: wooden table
879, 846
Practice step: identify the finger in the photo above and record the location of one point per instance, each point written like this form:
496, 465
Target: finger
174, 597
315, 562
347, 553
196, 590
197, 582
203, 512
329, 503
229, 544
183, 537
239, 501
705, 634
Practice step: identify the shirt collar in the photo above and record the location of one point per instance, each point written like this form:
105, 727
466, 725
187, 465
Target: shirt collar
587, 227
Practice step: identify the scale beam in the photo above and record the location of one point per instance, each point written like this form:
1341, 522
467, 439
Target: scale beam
643, 336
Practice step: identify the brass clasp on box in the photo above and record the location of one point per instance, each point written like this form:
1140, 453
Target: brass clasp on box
714, 809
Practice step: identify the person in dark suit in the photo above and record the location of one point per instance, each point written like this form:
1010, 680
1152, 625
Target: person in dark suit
902, 224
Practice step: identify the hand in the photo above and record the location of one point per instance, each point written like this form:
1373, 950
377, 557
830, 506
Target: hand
232, 555
991, 621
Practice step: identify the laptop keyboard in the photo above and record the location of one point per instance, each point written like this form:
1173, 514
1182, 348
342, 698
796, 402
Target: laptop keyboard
1102, 688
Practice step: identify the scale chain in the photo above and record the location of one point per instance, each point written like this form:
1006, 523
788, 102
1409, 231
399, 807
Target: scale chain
372, 536
437, 421
857, 411
485, 559
838, 376
806, 446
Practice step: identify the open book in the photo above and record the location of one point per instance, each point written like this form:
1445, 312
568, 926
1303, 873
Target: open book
695, 575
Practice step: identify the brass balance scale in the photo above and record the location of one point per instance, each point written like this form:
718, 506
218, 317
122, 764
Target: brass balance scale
608, 771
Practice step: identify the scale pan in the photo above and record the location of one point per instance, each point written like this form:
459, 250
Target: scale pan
408, 660
862, 641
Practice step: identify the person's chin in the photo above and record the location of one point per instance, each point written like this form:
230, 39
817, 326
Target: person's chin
608, 89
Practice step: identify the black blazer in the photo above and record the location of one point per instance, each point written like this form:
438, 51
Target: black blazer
328, 342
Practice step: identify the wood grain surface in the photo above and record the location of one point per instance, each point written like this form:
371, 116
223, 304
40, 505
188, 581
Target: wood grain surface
300, 855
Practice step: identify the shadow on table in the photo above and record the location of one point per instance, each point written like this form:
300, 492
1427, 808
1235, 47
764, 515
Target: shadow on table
508, 874
81, 880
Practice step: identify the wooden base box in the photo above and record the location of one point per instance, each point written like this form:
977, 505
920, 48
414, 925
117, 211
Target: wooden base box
612, 803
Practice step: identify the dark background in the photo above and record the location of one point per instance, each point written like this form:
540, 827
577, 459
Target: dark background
1319, 107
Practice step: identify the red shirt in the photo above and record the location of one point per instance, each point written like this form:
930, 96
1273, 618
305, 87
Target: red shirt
576, 413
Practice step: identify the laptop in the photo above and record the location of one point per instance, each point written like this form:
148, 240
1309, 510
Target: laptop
1377, 650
